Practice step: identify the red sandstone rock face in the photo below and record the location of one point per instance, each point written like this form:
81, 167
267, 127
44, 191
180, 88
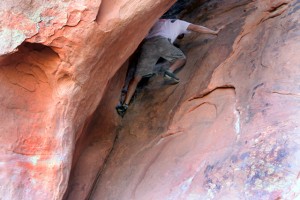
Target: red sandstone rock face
227, 131
230, 129
57, 58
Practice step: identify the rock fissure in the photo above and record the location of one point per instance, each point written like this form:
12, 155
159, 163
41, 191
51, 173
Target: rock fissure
93, 187
278, 7
207, 91
276, 12
209, 103
285, 93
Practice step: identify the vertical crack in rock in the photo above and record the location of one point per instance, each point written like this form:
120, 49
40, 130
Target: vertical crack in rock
93, 187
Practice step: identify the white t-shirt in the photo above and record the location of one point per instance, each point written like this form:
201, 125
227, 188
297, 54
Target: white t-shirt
169, 28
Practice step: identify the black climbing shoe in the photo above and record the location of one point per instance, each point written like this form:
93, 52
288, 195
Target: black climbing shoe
170, 77
121, 109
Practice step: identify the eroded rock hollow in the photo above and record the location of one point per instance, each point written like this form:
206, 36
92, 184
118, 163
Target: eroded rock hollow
228, 130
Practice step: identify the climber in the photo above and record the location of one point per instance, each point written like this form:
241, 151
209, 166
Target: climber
159, 43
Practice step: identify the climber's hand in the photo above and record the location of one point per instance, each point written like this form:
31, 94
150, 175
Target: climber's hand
219, 29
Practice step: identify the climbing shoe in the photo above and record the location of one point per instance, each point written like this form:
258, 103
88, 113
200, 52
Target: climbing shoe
121, 109
170, 77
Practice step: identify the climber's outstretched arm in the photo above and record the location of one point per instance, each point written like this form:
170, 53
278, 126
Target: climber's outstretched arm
202, 29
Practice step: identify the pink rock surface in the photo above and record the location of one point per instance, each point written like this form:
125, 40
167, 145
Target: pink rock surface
230, 128
57, 58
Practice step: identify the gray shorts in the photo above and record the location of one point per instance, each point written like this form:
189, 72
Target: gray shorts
152, 50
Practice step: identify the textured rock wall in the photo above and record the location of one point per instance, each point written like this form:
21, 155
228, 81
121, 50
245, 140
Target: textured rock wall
57, 58
230, 128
